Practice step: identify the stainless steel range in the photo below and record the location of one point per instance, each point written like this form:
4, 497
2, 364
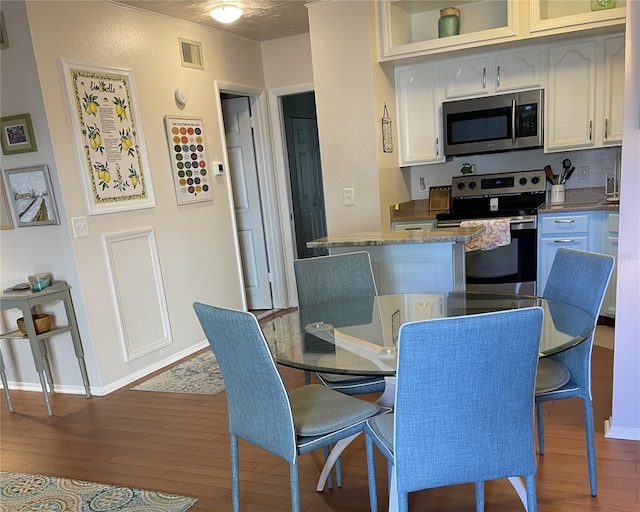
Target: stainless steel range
516, 196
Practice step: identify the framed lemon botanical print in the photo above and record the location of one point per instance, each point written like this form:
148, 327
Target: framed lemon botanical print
109, 139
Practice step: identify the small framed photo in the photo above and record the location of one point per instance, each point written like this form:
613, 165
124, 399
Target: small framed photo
30, 195
17, 134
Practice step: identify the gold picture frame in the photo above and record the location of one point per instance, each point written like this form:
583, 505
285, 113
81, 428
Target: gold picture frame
17, 134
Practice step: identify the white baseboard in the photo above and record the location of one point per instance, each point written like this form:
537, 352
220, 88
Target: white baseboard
631, 434
113, 386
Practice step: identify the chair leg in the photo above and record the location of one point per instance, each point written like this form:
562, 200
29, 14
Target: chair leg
540, 423
480, 496
295, 489
327, 451
371, 471
235, 474
532, 500
591, 448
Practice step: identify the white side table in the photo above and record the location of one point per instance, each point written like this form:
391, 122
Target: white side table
27, 301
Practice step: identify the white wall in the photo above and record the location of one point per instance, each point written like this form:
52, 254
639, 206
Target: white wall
625, 420
196, 243
29, 250
347, 124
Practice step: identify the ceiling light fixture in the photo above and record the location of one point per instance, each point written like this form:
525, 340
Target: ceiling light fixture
225, 13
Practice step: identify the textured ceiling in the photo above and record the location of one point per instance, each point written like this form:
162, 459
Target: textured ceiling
263, 20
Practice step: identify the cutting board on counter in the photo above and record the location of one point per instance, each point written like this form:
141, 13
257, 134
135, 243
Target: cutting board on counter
439, 198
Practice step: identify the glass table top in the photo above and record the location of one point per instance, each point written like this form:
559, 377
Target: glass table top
360, 336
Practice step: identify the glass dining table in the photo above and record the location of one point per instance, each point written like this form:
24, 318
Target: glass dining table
360, 336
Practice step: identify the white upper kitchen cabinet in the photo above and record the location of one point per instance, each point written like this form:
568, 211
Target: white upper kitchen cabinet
419, 99
493, 73
613, 91
571, 96
584, 94
548, 17
409, 28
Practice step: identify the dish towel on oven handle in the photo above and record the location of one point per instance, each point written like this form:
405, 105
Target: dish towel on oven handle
497, 233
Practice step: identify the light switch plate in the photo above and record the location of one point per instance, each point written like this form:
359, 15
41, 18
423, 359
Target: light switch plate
80, 227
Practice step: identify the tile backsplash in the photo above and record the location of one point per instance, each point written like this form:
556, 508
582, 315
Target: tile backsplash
599, 162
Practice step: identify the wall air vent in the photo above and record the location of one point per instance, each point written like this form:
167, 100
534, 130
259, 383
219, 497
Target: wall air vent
191, 53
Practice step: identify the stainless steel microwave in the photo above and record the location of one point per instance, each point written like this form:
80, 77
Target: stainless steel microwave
490, 124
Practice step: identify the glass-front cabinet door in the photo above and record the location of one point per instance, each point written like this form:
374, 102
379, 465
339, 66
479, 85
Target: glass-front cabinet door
410, 27
563, 15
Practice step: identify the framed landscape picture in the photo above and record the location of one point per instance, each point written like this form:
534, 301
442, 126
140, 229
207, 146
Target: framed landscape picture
17, 134
30, 195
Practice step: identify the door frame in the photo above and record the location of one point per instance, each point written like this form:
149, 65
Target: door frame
283, 181
268, 188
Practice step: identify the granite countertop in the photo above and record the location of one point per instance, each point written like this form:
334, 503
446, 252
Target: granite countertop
421, 236
581, 200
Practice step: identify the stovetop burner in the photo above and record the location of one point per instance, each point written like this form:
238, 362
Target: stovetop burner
496, 195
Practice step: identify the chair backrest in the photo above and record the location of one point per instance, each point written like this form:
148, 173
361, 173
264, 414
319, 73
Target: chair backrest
259, 407
464, 407
579, 278
331, 278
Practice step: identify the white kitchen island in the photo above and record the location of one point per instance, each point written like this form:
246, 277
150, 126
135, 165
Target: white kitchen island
414, 261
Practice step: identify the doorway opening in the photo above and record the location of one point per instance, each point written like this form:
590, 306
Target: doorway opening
305, 171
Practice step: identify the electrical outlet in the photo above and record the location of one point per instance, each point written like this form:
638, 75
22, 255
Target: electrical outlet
349, 197
80, 227
583, 174
423, 184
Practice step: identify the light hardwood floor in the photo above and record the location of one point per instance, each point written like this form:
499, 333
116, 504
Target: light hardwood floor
177, 443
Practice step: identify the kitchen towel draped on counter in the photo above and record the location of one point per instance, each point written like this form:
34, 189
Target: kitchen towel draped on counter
497, 233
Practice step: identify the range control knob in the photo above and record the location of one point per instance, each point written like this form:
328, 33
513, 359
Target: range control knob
472, 185
461, 186
523, 181
535, 180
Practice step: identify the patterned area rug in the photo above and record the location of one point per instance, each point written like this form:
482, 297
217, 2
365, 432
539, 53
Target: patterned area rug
199, 375
20, 492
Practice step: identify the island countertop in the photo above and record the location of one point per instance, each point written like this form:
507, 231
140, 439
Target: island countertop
417, 236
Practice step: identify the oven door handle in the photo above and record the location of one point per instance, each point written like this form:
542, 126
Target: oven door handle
516, 223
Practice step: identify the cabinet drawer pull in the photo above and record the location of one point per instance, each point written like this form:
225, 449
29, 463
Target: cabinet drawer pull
564, 221
437, 146
498, 77
590, 130
606, 128
564, 241
484, 78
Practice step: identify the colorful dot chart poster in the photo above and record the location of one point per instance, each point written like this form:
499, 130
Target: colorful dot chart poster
192, 175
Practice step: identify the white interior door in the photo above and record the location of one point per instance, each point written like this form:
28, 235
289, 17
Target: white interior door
246, 196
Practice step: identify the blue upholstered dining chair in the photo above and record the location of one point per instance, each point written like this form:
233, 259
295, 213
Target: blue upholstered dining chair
579, 278
261, 411
325, 279
464, 406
